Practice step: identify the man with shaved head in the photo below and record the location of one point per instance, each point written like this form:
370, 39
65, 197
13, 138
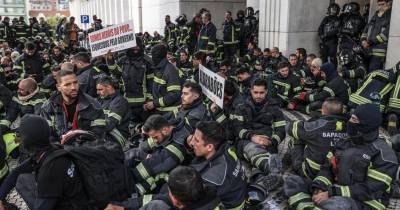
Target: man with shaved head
28, 100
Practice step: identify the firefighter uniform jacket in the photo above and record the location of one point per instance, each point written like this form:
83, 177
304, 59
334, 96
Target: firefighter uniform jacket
380, 81
117, 114
231, 33
377, 33
312, 141
166, 87
207, 38
29, 65
363, 172
164, 157
286, 88
224, 172
337, 87
89, 115
29, 106
87, 78
190, 116
170, 34
264, 119
137, 77
226, 115
21, 30
5, 100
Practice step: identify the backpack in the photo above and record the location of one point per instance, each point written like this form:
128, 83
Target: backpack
102, 171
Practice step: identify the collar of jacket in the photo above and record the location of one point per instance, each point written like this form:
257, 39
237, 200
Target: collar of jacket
78, 72
209, 201
112, 96
26, 98
195, 104
343, 117
82, 102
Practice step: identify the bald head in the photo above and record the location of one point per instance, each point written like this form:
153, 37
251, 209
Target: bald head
332, 106
26, 87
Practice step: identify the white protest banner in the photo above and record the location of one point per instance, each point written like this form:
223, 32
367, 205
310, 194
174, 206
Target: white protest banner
213, 85
114, 38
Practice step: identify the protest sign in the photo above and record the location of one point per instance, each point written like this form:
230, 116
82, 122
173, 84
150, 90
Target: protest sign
114, 38
213, 85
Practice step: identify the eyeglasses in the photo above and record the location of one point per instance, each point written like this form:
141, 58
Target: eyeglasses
381, 4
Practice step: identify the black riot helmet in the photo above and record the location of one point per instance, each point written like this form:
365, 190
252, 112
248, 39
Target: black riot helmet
240, 14
333, 9
345, 57
181, 19
249, 11
353, 8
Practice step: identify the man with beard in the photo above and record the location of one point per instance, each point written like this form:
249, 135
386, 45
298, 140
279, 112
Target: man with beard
260, 126
29, 100
58, 56
163, 150
70, 108
87, 73
166, 86
30, 64
192, 109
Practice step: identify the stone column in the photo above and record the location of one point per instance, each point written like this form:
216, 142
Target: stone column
393, 53
290, 24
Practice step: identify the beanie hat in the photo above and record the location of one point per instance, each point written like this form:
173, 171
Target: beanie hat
329, 70
369, 116
158, 53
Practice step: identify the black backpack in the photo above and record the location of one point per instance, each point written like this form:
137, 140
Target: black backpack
102, 171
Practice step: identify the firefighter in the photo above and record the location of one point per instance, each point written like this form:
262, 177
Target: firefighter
376, 35
208, 36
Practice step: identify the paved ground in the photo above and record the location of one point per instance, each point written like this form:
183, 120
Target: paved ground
276, 197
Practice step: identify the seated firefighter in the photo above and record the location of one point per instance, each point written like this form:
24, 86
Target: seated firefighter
260, 126
312, 140
164, 149
335, 87
192, 109
71, 109
116, 110
286, 86
357, 173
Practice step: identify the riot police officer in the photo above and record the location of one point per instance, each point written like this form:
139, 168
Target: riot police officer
352, 25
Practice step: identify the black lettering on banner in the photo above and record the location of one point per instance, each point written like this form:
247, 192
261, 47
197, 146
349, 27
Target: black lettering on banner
211, 83
100, 45
126, 38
